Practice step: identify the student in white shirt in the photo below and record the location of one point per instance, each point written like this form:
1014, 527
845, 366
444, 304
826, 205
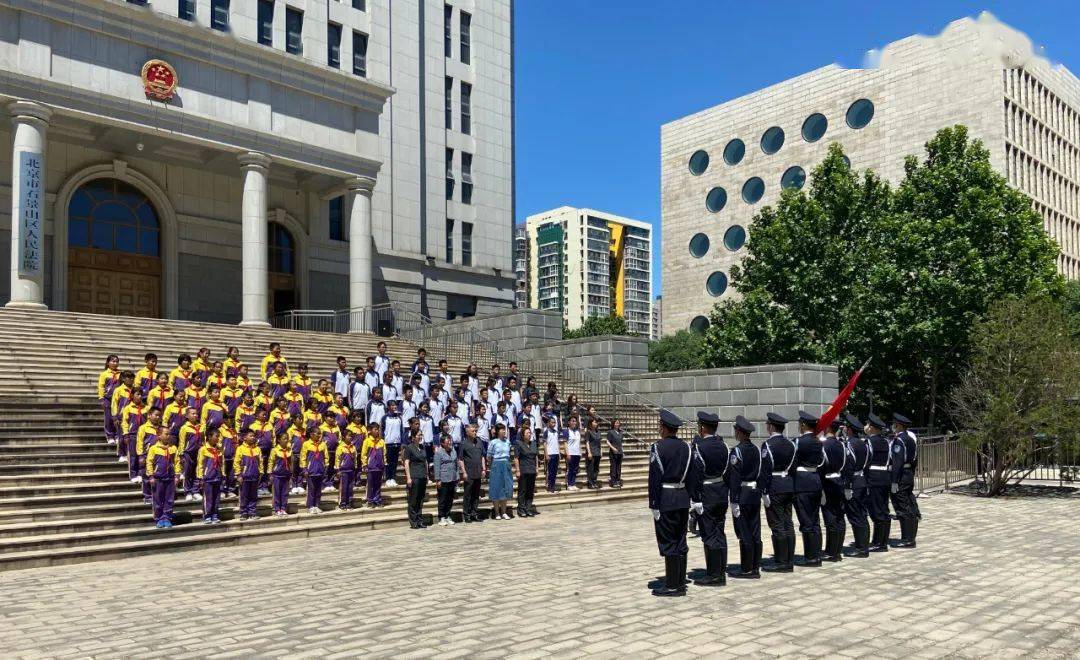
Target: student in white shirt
382, 360
359, 393
573, 452
339, 379
371, 375
428, 425
552, 440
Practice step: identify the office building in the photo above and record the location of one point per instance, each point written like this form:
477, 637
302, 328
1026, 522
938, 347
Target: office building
521, 267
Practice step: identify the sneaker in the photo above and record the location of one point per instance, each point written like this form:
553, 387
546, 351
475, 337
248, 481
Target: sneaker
391, 483
147, 500
443, 522
313, 510
263, 492
121, 459
166, 524
160, 524
216, 520
110, 441
253, 516
329, 488
136, 480
449, 521
300, 490
243, 517
198, 498
207, 520
188, 497
505, 517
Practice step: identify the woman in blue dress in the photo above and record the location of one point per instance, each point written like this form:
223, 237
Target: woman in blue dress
500, 479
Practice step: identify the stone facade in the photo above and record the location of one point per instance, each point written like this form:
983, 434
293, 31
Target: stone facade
605, 357
979, 73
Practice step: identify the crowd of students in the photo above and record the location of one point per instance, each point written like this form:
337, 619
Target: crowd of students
209, 429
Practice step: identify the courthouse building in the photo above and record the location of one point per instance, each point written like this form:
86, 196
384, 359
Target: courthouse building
224, 160
720, 166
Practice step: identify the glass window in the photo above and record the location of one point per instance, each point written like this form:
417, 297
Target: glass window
772, 140
734, 151
466, 108
794, 178
219, 15
282, 250
716, 199
466, 178
108, 214
294, 29
860, 113
734, 237
333, 45
699, 245
814, 127
716, 284
359, 54
466, 243
847, 161
449, 240
448, 20
753, 189
448, 104
266, 22
359, 4
336, 210
700, 324
699, 162
185, 9
78, 232
466, 38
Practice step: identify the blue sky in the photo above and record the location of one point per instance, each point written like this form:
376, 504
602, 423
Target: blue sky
595, 79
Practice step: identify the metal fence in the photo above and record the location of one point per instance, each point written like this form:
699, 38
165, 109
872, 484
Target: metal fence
944, 462
385, 320
1051, 459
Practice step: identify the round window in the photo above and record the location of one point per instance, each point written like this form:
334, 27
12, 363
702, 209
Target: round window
793, 178
699, 245
860, 113
716, 199
753, 189
699, 325
734, 151
814, 127
734, 237
716, 284
772, 140
699, 162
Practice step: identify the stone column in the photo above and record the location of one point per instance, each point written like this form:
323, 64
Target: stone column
255, 239
30, 122
360, 248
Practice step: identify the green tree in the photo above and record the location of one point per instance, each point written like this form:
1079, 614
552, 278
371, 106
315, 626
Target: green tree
680, 351
598, 325
1017, 401
851, 268
1072, 307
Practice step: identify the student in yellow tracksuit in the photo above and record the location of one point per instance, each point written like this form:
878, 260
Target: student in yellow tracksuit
108, 381
280, 466
173, 417
264, 398
121, 396
162, 472
180, 377
192, 435
145, 438
247, 466
146, 377
202, 364
232, 361
314, 458
131, 418
210, 472
160, 394
302, 381
373, 460
347, 463
213, 411
272, 358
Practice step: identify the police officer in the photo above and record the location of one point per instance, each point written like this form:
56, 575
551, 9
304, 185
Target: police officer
836, 487
743, 473
882, 477
855, 506
778, 492
809, 457
903, 499
707, 485
669, 463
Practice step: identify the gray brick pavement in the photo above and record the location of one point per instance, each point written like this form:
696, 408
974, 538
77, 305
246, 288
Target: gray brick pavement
990, 578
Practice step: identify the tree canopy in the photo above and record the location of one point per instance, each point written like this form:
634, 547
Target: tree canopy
678, 352
595, 326
854, 268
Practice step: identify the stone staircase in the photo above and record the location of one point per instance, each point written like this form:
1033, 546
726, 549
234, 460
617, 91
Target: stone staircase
64, 498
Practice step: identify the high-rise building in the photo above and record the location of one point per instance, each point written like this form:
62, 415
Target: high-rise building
590, 263
720, 166
312, 155
657, 318
521, 267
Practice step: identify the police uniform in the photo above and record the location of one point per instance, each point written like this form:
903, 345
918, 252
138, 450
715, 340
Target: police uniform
882, 475
669, 463
707, 485
903, 500
836, 488
778, 491
858, 449
809, 458
744, 468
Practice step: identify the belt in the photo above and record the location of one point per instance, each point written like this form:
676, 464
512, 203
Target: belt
780, 474
806, 469
879, 467
709, 482
833, 475
751, 485
673, 486
907, 465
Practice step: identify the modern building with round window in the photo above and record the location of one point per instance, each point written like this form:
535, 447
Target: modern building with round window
977, 72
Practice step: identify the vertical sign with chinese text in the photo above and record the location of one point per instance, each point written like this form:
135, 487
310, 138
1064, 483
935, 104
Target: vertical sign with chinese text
31, 203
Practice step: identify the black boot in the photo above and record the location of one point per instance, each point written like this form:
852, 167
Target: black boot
757, 558
715, 575
779, 565
830, 539
811, 550
860, 545
791, 549
881, 536
673, 584
682, 571
746, 563
907, 532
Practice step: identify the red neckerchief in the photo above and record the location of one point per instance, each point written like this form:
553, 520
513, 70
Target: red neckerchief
216, 456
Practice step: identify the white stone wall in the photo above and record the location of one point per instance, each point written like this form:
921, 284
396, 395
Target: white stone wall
920, 85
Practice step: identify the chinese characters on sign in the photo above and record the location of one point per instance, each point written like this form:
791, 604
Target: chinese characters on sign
31, 201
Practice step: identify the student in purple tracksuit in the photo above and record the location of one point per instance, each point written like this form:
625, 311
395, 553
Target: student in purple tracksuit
264, 437
191, 439
331, 437
373, 458
281, 473
346, 460
313, 461
247, 466
108, 381
209, 473
296, 444
162, 472
230, 441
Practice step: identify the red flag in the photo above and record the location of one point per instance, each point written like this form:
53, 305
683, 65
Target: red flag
840, 402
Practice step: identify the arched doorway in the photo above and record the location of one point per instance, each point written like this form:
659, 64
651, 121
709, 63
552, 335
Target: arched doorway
114, 250
282, 266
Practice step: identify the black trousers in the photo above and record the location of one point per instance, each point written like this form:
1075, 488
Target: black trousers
525, 491
832, 510
417, 492
807, 506
671, 533
711, 526
855, 508
615, 465
903, 500
592, 470
778, 515
878, 503
446, 492
748, 524
470, 500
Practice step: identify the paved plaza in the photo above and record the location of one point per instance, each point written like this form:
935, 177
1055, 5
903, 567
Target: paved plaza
990, 578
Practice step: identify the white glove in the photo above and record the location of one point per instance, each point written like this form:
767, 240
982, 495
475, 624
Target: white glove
735, 511
655, 514
848, 494
895, 488
698, 507
766, 500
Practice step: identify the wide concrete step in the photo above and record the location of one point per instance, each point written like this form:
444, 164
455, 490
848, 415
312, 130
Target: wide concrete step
38, 470
104, 456
35, 446
24, 441
27, 552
